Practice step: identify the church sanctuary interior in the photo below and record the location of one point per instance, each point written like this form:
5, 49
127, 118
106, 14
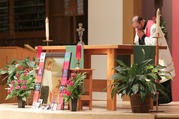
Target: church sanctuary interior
90, 59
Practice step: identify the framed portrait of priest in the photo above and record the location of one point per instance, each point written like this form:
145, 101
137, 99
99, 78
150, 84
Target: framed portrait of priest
51, 78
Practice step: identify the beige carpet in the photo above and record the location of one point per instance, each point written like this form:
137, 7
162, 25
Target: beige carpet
10, 111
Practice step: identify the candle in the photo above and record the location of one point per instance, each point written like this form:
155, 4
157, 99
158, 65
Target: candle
157, 21
78, 52
47, 28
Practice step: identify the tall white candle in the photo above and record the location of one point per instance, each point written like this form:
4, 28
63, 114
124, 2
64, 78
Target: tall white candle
47, 28
157, 21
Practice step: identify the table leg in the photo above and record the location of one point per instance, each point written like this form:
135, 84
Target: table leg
90, 89
111, 102
87, 60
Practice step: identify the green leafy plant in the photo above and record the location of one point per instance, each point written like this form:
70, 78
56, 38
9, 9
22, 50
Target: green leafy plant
142, 79
73, 88
21, 75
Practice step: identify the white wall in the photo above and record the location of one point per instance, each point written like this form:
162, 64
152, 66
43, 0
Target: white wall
105, 26
105, 21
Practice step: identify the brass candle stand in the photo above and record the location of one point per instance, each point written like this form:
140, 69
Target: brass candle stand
78, 64
157, 62
157, 36
47, 41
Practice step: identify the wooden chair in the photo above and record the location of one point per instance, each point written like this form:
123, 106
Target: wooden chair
87, 96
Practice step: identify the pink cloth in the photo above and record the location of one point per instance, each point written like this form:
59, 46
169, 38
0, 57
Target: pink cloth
39, 51
78, 52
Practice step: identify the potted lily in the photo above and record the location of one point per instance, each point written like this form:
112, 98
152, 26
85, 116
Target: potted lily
21, 75
73, 89
139, 81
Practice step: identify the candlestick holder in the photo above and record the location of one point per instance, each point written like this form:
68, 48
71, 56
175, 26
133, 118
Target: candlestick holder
157, 62
47, 41
78, 64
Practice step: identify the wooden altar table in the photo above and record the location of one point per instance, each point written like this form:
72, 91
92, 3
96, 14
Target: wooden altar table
111, 51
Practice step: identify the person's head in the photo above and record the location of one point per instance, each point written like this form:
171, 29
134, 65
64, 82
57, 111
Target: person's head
138, 22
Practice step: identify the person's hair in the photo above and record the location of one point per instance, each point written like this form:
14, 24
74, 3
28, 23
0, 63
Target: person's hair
136, 19
139, 19
49, 63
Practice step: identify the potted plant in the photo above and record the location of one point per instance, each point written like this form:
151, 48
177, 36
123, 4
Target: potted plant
140, 81
73, 89
21, 75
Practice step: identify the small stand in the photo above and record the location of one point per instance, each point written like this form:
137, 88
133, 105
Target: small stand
87, 95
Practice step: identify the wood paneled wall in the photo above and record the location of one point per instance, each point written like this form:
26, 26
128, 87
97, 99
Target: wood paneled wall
130, 9
6, 55
62, 27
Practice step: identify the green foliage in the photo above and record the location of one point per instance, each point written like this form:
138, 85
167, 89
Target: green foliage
73, 88
21, 77
142, 79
